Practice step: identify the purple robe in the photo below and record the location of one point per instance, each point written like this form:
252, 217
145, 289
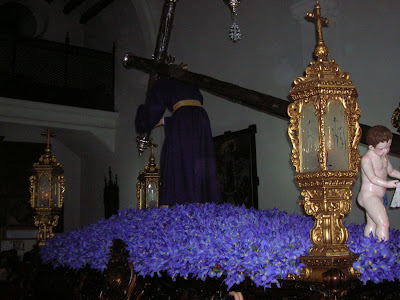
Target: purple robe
188, 168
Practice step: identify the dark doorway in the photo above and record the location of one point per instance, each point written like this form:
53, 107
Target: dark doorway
16, 160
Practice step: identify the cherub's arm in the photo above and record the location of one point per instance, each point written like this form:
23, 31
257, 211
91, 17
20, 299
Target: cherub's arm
236, 295
392, 172
368, 169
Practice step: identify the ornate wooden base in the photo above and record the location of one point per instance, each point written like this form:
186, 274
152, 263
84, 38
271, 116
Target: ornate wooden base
86, 284
119, 281
329, 269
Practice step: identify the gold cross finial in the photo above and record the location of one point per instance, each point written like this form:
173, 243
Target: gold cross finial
321, 51
152, 145
151, 166
48, 134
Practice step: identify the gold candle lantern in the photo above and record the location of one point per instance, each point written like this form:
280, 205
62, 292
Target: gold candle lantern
325, 132
47, 186
148, 187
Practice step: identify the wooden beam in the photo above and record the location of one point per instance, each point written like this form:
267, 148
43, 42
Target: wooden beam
94, 10
71, 5
234, 93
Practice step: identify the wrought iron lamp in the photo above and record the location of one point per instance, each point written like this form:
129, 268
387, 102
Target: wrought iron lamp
325, 132
47, 186
148, 187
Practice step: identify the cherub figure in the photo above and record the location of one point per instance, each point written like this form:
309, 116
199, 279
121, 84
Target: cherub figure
375, 167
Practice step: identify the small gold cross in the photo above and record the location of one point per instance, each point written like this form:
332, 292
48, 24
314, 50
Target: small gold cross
48, 134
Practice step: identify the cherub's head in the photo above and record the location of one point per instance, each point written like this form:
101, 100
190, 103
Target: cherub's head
378, 134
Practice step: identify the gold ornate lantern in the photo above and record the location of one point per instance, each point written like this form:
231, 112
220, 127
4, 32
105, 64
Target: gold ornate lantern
47, 186
325, 132
148, 187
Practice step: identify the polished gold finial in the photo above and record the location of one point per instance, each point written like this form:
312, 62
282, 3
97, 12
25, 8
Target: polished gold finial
152, 161
48, 134
320, 51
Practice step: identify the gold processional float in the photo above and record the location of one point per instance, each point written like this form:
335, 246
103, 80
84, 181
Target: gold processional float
325, 133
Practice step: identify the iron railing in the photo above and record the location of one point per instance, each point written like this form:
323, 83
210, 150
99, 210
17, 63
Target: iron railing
46, 71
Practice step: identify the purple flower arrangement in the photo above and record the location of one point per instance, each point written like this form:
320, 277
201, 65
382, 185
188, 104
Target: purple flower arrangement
209, 240
378, 261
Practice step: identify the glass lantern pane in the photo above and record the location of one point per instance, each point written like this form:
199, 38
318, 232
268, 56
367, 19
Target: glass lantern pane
142, 195
152, 194
44, 191
336, 140
309, 139
55, 191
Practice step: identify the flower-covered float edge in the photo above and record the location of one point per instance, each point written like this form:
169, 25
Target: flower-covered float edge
209, 240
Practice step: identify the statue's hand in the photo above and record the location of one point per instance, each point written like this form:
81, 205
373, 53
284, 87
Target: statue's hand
393, 184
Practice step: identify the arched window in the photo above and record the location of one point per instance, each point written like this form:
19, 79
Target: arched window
16, 20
